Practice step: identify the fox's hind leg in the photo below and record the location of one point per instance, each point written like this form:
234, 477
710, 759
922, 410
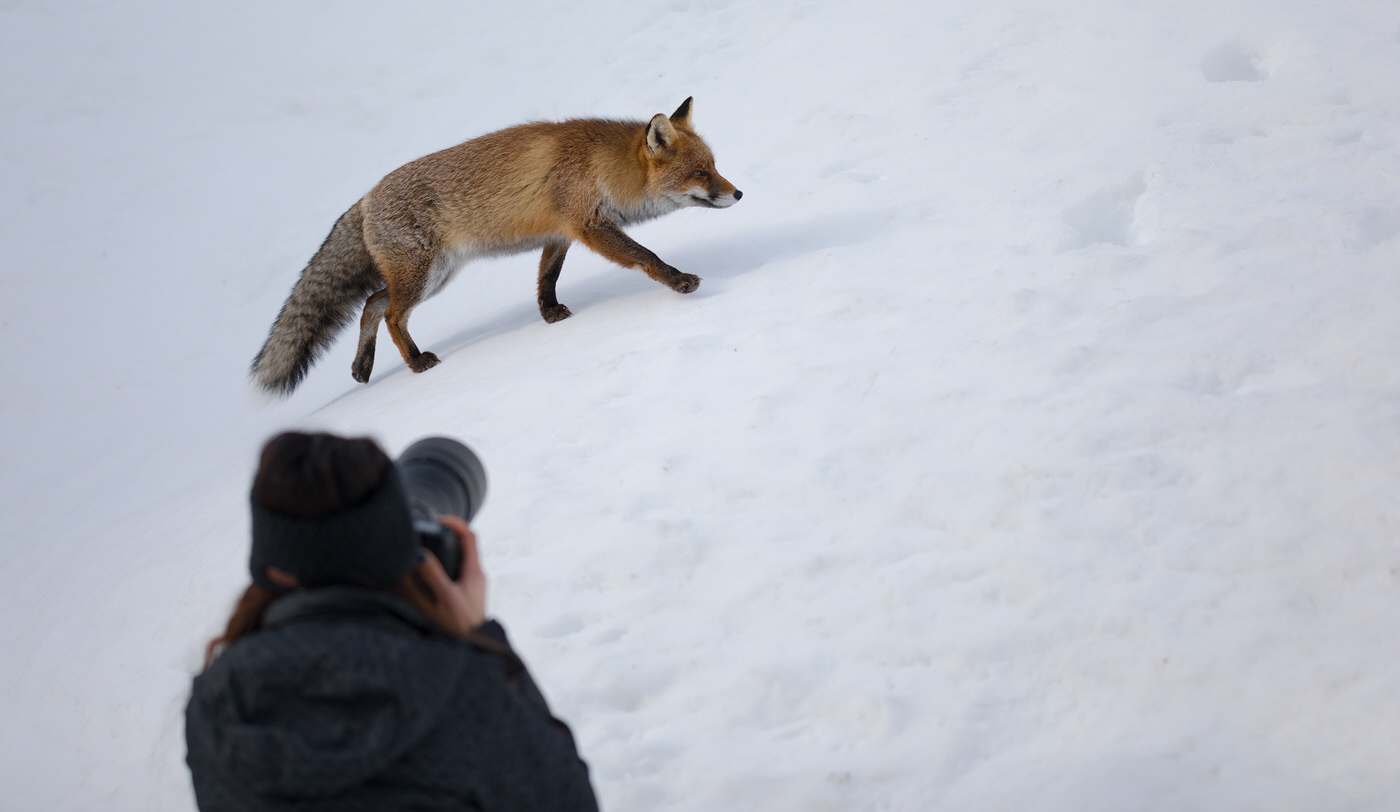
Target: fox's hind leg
375, 306
551, 263
403, 297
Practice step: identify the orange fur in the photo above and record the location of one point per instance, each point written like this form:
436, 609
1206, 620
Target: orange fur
540, 186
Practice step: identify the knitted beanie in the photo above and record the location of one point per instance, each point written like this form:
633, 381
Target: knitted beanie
370, 543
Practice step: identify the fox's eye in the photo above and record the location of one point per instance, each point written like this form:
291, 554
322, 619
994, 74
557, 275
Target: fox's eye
700, 173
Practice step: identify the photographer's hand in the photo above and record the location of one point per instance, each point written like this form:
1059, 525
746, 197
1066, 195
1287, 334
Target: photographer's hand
463, 599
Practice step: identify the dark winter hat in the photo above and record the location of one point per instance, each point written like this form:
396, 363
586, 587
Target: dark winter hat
370, 543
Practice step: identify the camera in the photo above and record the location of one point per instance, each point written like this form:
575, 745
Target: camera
441, 477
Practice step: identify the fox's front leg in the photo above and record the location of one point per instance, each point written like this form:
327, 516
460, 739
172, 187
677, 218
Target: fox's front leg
551, 263
607, 239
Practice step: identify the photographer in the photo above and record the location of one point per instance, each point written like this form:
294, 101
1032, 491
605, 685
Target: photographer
354, 672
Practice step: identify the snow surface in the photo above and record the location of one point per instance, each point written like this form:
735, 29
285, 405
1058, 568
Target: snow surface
1032, 442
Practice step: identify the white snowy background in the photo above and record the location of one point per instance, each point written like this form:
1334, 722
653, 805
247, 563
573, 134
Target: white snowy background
1033, 441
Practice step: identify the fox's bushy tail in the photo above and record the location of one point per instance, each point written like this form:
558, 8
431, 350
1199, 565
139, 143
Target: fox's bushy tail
335, 282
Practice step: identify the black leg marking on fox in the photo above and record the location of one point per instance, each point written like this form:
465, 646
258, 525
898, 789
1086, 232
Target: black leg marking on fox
551, 263
369, 330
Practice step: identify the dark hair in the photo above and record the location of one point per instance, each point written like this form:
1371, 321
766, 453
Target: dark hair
309, 476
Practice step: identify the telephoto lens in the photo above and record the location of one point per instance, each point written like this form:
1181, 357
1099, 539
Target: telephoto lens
442, 477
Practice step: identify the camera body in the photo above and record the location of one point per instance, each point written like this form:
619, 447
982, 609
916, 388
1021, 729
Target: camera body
441, 476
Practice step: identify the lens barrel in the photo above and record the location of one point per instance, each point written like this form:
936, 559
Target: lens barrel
442, 476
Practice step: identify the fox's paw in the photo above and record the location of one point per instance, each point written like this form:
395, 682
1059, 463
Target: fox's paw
362, 366
360, 371
556, 313
424, 362
685, 283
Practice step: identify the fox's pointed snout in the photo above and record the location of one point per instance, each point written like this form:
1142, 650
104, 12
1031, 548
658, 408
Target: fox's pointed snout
718, 201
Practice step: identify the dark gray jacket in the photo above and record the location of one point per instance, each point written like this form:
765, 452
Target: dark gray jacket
348, 699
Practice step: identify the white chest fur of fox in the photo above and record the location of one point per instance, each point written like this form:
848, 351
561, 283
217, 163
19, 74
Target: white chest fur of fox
535, 186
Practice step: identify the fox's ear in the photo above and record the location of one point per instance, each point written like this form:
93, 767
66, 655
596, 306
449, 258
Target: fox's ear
660, 134
681, 118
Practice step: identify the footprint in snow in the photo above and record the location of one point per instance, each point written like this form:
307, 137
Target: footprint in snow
1112, 216
1376, 226
1232, 62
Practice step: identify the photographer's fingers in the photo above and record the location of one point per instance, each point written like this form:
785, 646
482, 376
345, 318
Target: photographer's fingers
469, 589
471, 561
456, 611
431, 570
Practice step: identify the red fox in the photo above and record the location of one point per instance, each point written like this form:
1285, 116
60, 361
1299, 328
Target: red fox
543, 186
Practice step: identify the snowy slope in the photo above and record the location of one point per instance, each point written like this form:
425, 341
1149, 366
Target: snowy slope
1031, 441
